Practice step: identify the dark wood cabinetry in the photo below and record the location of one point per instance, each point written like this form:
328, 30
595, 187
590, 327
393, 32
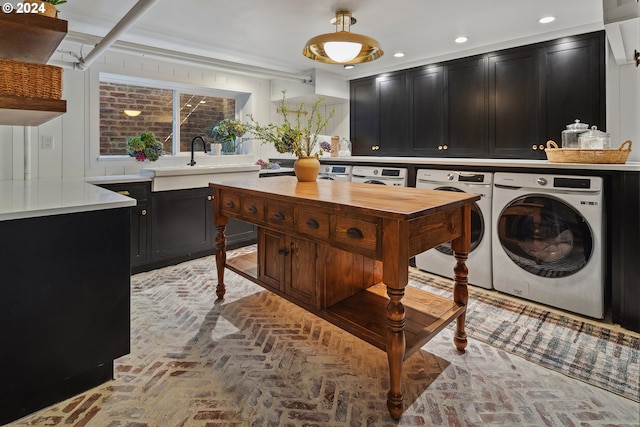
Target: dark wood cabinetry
173, 226
504, 104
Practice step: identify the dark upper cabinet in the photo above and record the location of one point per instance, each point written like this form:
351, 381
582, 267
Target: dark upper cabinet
504, 104
514, 105
572, 85
393, 116
379, 115
364, 113
426, 110
465, 108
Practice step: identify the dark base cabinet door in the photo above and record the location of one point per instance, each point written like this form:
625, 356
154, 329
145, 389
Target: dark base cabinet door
182, 222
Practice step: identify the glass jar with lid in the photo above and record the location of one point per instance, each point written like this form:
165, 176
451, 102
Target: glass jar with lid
571, 134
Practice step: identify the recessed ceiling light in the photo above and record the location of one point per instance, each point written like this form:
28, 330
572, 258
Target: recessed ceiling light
348, 66
398, 54
461, 39
546, 19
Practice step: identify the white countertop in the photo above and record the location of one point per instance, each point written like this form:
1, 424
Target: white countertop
44, 197
116, 179
457, 161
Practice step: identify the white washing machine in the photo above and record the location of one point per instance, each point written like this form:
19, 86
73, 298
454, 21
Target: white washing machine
379, 175
548, 240
438, 259
335, 172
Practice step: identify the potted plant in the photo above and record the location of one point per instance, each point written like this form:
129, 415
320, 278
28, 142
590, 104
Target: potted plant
46, 7
227, 132
144, 146
298, 136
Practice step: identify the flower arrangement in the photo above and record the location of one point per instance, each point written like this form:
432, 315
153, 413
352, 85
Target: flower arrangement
296, 137
144, 146
268, 165
227, 131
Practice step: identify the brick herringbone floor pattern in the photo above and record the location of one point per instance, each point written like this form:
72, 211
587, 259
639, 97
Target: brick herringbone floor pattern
257, 360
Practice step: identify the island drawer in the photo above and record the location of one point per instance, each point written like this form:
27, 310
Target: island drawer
312, 223
230, 203
355, 232
252, 209
279, 215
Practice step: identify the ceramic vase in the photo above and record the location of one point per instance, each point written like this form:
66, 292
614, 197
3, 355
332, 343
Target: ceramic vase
307, 168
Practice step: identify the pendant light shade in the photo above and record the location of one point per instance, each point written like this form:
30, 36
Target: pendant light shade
343, 46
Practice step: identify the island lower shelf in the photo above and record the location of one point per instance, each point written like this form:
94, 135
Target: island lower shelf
364, 314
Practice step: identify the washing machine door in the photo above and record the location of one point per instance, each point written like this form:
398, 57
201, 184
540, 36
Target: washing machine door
545, 236
477, 226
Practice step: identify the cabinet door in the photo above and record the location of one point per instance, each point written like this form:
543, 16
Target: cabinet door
514, 106
465, 107
182, 222
301, 281
271, 258
364, 114
393, 115
572, 85
426, 107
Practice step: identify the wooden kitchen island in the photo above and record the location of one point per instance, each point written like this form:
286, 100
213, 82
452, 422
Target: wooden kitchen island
341, 250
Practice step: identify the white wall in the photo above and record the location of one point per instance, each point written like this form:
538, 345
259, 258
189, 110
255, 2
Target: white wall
75, 134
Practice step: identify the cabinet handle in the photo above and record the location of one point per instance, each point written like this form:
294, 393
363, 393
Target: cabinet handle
143, 212
313, 223
209, 198
252, 209
279, 216
230, 204
283, 251
440, 147
534, 147
355, 233
124, 192
375, 147
445, 147
541, 147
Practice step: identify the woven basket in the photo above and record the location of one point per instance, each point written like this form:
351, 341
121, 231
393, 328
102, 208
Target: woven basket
578, 155
30, 80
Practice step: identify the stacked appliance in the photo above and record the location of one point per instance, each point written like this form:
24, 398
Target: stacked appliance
379, 175
548, 240
439, 259
335, 173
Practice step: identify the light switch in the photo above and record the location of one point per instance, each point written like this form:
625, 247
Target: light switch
46, 142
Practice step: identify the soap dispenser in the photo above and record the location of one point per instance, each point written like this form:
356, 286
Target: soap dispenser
344, 148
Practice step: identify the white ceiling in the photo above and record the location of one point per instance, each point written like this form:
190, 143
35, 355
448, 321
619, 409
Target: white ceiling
272, 33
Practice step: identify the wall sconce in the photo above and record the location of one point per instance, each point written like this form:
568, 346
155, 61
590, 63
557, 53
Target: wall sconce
132, 113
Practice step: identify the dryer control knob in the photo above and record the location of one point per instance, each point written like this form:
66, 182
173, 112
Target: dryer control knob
450, 177
542, 181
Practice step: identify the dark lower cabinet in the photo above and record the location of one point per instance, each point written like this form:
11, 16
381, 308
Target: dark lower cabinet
65, 306
168, 227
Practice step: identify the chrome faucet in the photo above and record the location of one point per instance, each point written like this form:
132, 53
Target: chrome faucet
204, 145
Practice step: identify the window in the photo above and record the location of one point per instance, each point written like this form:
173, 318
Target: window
126, 110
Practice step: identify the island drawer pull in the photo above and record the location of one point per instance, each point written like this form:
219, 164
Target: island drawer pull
355, 233
279, 216
252, 209
230, 204
283, 251
313, 223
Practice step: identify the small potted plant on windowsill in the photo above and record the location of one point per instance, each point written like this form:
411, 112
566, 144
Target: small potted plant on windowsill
227, 132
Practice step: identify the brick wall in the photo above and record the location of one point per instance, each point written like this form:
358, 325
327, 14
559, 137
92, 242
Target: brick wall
156, 116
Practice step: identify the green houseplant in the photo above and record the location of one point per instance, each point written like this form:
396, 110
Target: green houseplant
227, 131
296, 135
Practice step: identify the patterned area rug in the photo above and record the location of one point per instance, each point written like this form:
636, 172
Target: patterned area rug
594, 354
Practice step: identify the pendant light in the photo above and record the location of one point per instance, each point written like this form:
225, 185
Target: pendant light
343, 46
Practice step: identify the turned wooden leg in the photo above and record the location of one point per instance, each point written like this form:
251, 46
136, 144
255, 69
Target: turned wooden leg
395, 350
221, 258
460, 296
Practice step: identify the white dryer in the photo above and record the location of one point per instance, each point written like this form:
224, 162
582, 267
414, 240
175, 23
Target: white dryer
438, 259
335, 173
379, 175
548, 240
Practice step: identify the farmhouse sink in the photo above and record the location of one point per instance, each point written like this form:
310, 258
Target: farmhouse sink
181, 177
